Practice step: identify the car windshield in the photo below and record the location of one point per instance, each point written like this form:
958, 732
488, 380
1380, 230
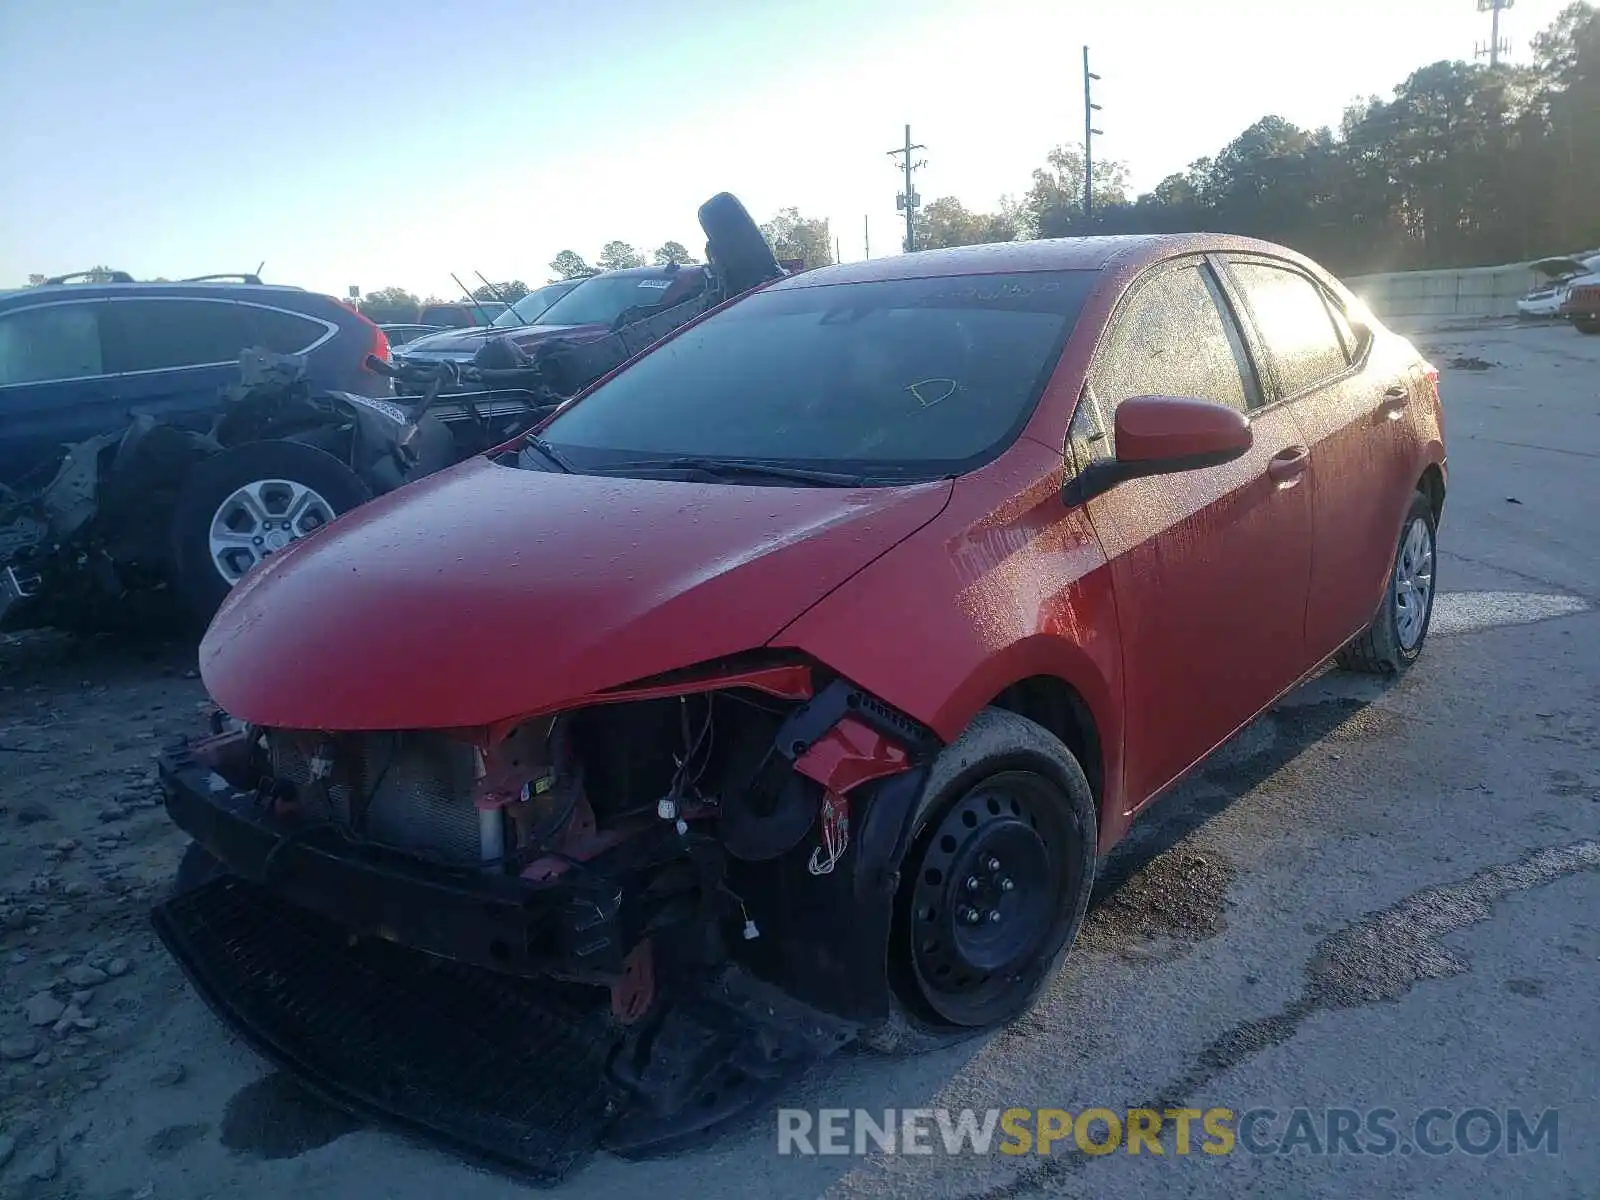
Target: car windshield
461, 315
531, 307
601, 299
903, 378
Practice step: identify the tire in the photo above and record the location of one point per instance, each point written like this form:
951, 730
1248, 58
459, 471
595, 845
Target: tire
1004, 785
1589, 325
1394, 641
277, 472
195, 869
736, 244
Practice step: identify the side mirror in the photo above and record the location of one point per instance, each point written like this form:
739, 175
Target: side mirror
1164, 435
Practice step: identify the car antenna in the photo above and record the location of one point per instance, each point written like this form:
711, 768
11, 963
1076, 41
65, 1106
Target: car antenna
495, 292
259, 266
471, 299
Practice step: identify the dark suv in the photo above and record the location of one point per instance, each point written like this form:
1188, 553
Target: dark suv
111, 396
77, 359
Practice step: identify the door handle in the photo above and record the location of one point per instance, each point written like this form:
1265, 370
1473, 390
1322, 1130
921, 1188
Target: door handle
1288, 465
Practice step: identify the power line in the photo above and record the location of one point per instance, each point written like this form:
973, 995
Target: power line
1089, 132
908, 201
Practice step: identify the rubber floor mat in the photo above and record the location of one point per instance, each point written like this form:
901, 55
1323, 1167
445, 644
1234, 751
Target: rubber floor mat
494, 1068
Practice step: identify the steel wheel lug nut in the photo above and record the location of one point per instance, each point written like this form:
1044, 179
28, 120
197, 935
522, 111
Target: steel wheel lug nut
971, 916
1005, 884
994, 917
993, 864
972, 883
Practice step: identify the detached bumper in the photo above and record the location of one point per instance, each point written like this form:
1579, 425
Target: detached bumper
483, 1065
498, 922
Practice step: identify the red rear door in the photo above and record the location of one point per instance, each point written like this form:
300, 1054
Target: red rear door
1352, 398
1210, 567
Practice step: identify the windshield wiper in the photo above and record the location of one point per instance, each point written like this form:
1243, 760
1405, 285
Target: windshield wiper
736, 468
549, 451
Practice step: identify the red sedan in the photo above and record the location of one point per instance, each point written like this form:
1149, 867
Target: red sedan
824, 647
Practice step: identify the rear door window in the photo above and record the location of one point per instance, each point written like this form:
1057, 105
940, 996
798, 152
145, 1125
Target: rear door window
1292, 316
52, 343
281, 331
160, 334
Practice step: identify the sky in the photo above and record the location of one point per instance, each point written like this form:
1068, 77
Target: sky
353, 143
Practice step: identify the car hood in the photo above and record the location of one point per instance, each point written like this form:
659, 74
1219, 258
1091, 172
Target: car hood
462, 344
488, 592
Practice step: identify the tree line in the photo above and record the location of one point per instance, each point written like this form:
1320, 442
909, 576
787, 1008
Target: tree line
1465, 165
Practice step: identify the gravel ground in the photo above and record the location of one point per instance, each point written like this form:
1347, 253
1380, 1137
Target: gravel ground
1376, 896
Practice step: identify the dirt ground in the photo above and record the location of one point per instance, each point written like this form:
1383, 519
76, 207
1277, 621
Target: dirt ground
85, 847
1322, 847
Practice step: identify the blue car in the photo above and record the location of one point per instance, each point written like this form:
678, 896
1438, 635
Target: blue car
123, 466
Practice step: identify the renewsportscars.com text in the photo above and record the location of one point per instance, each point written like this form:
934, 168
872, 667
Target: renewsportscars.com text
1175, 1131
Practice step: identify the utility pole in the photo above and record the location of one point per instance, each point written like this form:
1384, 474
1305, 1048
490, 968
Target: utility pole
1496, 47
908, 200
1089, 131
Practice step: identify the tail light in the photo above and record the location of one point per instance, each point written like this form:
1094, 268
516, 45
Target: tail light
379, 348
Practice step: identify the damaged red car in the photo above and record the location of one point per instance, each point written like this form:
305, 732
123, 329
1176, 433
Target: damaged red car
783, 689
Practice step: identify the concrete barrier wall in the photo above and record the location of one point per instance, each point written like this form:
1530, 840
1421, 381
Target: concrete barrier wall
1473, 292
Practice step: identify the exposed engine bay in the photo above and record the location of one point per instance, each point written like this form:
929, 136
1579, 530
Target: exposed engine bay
729, 833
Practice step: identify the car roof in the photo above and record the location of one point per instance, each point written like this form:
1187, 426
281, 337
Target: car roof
1045, 254
226, 291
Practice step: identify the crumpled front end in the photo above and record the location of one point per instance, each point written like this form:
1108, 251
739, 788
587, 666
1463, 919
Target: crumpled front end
698, 869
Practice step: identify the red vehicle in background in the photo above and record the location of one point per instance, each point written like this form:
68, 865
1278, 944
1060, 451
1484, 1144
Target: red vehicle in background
784, 688
1582, 303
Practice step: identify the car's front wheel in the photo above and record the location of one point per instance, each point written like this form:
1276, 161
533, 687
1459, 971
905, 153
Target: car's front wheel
1394, 639
241, 506
995, 883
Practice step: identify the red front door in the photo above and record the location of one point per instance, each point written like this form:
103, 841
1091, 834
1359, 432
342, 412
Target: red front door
1211, 567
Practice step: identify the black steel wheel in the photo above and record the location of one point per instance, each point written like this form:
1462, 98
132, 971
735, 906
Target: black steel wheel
998, 876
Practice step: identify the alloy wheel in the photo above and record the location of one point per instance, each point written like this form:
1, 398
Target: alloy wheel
260, 519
